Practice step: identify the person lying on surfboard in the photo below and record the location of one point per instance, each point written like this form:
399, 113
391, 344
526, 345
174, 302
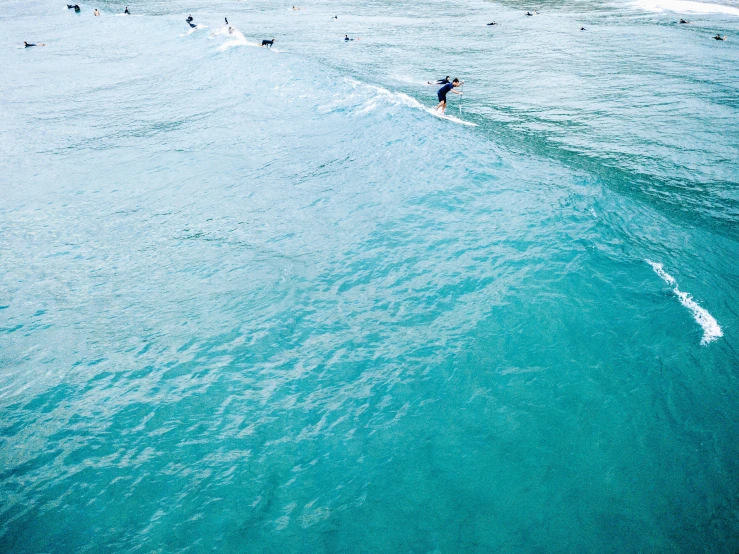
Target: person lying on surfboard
443, 92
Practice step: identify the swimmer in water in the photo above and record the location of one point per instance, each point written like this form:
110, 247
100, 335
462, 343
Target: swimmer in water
582, 28
529, 14
96, 12
28, 45
336, 17
226, 18
347, 39
126, 11
444, 81
443, 91
719, 37
683, 22
493, 23
296, 9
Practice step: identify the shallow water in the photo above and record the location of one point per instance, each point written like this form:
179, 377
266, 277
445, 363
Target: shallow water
263, 301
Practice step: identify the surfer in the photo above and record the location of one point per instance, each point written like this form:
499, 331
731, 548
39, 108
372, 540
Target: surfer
29, 44
529, 14
296, 9
582, 28
268, 43
444, 81
492, 23
719, 37
683, 22
126, 11
336, 17
443, 91
347, 39
226, 18
189, 18
96, 12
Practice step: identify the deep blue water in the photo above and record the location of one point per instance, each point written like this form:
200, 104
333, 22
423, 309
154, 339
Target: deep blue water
264, 301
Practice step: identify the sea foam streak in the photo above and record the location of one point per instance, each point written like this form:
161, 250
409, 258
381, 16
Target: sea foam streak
711, 328
685, 6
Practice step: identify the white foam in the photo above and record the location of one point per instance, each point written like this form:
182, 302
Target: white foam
684, 6
711, 328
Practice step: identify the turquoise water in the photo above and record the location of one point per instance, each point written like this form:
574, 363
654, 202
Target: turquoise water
263, 301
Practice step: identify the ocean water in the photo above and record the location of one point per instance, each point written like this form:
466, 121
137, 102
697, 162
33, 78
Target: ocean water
264, 301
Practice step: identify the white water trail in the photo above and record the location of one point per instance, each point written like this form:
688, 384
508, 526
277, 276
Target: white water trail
711, 328
685, 6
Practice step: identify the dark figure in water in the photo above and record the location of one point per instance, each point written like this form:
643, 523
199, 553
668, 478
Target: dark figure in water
347, 39
189, 18
493, 23
719, 37
226, 18
192, 25
582, 28
28, 45
75, 7
683, 22
126, 11
444, 81
529, 14
268, 43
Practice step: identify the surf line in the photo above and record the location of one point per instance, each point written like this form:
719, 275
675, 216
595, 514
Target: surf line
711, 328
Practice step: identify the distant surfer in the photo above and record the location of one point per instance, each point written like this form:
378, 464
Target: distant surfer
347, 39
126, 11
719, 37
189, 18
444, 81
96, 12
582, 28
529, 14
492, 23
443, 91
226, 18
77, 8
296, 9
683, 22
29, 44
268, 43
336, 17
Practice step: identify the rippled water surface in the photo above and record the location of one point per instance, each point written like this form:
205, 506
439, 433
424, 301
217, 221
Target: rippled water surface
264, 301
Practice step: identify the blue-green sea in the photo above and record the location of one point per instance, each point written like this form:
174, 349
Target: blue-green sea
262, 300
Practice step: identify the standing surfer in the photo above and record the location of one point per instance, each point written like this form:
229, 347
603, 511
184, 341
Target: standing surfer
443, 91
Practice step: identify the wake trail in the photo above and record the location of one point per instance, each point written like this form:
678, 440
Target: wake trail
711, 328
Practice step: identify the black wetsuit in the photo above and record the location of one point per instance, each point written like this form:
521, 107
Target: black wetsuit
189, 19
226, 18
126, 12
443, 92
29, 44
